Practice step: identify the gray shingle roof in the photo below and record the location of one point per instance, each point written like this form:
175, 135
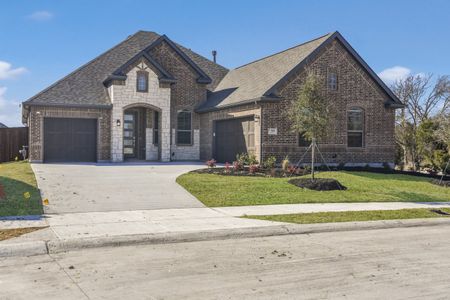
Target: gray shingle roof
253, 80
85, 85
258, 80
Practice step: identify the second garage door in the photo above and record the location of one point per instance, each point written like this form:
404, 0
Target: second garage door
70, 140
233, 137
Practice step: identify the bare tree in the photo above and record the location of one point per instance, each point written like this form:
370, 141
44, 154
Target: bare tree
424, 98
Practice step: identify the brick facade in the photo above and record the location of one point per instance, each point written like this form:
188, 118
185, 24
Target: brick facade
36, 125
186, 94
355, 89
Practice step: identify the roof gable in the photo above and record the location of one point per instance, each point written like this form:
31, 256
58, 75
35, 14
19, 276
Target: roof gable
85, 86
252, 81
120, 73
260, 80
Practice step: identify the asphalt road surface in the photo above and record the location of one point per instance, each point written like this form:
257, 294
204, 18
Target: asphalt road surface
412, 263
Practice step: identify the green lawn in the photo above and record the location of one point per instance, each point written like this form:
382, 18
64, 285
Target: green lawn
221, 190
16, 179
351, 216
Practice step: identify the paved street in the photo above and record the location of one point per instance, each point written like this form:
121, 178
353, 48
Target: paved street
397, 263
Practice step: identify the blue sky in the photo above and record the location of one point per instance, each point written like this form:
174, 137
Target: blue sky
41, 41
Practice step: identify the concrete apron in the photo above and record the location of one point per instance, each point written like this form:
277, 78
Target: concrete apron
270, 229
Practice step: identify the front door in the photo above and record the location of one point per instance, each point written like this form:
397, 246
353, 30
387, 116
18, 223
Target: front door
129, 134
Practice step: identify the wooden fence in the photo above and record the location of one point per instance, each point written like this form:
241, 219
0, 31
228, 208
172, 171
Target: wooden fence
11, 141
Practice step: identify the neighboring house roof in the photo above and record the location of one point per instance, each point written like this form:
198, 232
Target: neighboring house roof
85, 86
3, 125
259, 80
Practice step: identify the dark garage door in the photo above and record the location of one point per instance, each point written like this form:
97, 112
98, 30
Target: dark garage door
70, 140
232, 137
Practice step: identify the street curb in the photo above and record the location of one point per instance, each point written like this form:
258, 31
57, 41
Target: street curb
24, 249
58, 246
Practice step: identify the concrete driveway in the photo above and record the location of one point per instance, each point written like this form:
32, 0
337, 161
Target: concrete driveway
113, 187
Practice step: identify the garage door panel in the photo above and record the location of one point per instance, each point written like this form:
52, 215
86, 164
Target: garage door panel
70, 140
232, 137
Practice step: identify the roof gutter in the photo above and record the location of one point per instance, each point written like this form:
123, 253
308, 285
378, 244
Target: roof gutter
389, 104
100, 106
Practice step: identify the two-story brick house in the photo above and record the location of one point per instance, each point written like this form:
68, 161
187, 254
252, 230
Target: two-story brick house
149, 98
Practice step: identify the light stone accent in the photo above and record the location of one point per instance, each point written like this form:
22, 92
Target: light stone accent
151, 150
126, 95
191, 152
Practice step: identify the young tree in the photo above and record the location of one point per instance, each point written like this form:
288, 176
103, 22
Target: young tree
310, 112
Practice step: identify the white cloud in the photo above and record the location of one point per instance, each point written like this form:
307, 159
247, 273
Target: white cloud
391, 75
41, 15
10, 111
7, 72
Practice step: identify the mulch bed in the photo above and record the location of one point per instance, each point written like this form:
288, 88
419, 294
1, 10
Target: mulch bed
443, 183
276, 173
319, 184
12, 233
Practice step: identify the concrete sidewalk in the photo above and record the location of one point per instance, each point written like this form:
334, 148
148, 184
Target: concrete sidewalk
121, 223
283, 209
163, 220
99, 229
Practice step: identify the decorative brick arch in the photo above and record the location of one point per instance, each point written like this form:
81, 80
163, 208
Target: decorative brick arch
142, 104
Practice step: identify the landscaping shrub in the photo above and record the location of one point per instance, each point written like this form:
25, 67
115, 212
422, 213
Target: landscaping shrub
227, 167
252, 160
270, 162
292, 169
253, 169
285, 164
246, 159
211, 163
237, 166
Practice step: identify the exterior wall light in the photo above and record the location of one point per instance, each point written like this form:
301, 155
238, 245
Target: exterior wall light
118, 123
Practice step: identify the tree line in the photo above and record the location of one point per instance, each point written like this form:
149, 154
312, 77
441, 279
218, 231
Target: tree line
422, 128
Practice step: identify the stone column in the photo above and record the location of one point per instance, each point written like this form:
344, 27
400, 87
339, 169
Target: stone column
165, 134
117, 135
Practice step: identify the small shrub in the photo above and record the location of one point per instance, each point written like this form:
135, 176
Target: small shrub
246, 159
237, 166
251, 160
270, 162
253, 169
211, 163
292, 169
227, 167
242, 158
285, 164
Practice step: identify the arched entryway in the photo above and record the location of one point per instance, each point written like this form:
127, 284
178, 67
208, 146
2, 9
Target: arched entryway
141, 132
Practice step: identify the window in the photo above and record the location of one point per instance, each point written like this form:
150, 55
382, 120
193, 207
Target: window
355, 127
302, 141
142, 81
184, 132
332, 81
155, 128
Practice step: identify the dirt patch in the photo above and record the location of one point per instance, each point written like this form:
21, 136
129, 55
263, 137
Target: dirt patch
320, 184
276, 173
15, 232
